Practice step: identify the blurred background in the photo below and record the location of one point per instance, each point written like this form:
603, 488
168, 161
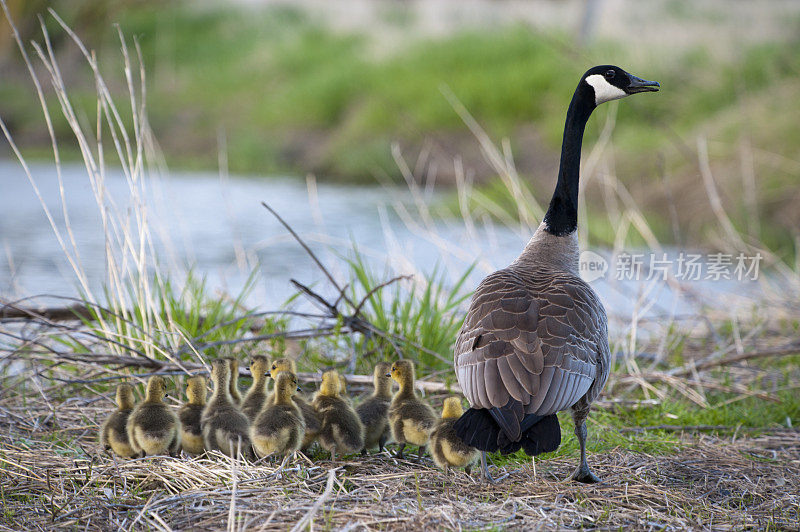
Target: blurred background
352, 116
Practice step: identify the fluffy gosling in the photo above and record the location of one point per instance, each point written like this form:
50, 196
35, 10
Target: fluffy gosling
113, 432
225, 428
374, 411
310, 415
190, 414
236, 396
256, 396
279, 427
447, 448
153, 428
341, 429
410, 418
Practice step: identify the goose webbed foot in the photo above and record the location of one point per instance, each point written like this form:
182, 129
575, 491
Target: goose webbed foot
485, 475
584, 475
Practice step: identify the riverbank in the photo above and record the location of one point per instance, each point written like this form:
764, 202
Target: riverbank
276, 90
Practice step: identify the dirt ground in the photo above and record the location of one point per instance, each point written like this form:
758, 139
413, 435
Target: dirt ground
53, 476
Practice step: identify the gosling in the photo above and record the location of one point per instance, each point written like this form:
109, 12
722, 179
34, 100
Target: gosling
190, 414
225, 428
114, 433
343, 389
234, 384
310, 415
447, 448
153, 428
411, 419
279, 427
256, 397
374, 411
341, 429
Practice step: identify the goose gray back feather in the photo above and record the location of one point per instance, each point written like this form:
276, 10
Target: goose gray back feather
535, 334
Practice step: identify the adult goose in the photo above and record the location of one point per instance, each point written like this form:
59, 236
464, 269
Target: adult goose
535, 339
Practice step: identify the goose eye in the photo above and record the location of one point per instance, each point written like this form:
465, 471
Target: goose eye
610, 74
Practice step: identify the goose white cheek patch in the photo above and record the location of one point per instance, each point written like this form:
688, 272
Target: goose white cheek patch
603, 90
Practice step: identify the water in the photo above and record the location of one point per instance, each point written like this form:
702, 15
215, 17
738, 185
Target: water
219, 228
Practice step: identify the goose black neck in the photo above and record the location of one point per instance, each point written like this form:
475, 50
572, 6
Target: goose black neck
562, 215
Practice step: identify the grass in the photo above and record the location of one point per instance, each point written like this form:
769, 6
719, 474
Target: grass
686, 435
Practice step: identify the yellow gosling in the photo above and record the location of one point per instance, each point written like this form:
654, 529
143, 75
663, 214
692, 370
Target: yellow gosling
447, 448
310, 415
341, 429
374, 411
153, 428
410, 418
113, 432
190, 414
225, 428
279, 427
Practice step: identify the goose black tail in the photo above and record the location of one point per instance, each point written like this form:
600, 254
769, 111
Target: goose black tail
478, 428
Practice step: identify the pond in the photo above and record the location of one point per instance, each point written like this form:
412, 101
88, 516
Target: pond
218, 227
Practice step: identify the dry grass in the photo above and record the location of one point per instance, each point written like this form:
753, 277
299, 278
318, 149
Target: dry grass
712, 483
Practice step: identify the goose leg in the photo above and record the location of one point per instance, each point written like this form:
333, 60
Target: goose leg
582, 473
420, 452
399, 453
485, 470
382, 443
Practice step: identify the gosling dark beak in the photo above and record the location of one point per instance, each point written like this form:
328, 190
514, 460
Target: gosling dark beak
388, 374
298, 388
640, 85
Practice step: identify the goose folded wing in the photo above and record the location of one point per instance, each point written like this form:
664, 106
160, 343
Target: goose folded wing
526, 349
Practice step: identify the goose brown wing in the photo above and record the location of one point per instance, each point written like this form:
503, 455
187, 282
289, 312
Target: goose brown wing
529, 338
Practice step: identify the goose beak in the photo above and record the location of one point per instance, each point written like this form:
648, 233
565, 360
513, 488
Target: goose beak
640, 85
298, 388
388, 374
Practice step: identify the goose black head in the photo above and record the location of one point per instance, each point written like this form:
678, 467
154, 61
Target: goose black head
609, 82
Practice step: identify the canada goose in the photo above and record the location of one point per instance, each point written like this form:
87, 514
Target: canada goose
114, 432
190, 414
447, 448
341, 430
256, 397
535, 338
279, 427
310, 415
234, 385
410, 418
374, 411
153, 428
225, 428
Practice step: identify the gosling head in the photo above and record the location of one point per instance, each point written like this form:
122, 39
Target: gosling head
331, 383
196, 390
156, 389
451, 408
233, 365
282, 364
285, 386
125, 398
382, 378
604, 83
259, 367
220, 373
402, 371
